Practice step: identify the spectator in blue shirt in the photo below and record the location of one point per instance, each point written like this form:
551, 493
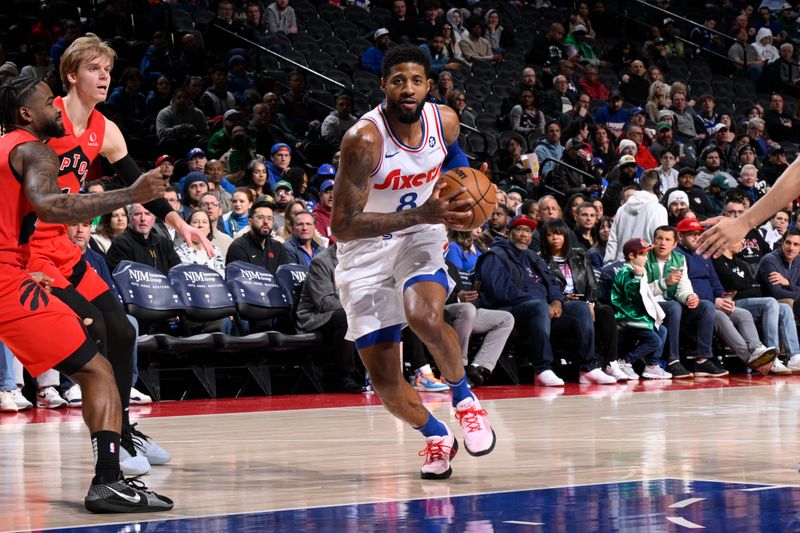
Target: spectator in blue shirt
372, 57
464, 249
435, 50
613, 115
301, 247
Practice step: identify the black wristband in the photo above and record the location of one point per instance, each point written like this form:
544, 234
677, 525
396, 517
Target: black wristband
128, 172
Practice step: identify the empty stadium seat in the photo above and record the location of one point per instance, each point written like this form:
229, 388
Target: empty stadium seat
202, 292
291, 278
305, 44
483, 70
333, 46
256, 292
146, 292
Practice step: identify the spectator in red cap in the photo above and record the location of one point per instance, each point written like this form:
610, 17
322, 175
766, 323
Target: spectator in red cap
322, 213
734, 325
514, 278
638, 315
167, 165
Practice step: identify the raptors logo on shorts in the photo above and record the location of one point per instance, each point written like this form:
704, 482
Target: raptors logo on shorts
32, 296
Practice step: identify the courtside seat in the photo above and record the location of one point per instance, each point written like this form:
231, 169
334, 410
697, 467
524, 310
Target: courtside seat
146, 343
146, 292
201, 341
233, 343
282, 341
202, 291
256, 292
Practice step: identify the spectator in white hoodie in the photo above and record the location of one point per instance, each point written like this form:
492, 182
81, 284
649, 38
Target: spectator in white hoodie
639, 217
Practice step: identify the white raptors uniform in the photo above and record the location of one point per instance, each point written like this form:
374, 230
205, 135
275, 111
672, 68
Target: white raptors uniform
372, 273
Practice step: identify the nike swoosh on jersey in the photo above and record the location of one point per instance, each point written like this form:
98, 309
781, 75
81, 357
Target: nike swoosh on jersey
131, 499
391, 155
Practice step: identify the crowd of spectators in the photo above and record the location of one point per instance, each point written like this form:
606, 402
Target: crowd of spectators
599, 125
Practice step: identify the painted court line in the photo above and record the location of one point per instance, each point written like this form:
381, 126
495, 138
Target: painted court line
685, 503
768, 487
680, 521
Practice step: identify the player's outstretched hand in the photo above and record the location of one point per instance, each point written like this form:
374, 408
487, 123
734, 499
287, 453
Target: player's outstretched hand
724, 232
445, 210
149, 186
191, 234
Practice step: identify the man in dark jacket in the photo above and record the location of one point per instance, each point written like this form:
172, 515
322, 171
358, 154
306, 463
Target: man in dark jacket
734, 325
699, 204
776, 319
141, 245
515, 279
779, 271
577, 154
321, 310
256, 247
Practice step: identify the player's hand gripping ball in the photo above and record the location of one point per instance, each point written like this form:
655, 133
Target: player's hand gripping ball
480, 191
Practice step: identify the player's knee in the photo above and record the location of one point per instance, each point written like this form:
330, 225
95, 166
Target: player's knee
98, 369
426, 324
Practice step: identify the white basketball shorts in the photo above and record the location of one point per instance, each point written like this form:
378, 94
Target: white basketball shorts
373, 273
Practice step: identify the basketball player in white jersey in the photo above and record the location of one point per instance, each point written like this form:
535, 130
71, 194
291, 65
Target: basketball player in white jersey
389, 222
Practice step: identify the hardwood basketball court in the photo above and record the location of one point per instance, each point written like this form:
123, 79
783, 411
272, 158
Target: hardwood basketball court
719, 454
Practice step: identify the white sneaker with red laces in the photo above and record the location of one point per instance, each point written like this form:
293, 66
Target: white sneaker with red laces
479, 437
438, 453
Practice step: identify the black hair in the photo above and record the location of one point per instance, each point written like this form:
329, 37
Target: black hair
14, 93
554, 226
263, 203
247, 179
130, 73
733, 195
605, 219
668, 229
526, 207
404, 53
509, 212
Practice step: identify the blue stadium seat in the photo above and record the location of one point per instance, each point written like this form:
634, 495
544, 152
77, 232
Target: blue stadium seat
291, 278
146, 292
256, 292
202, 292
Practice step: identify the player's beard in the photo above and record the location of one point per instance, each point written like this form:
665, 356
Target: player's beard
53, 128
406, 117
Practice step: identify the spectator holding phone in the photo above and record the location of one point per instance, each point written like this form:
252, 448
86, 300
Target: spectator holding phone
573, 270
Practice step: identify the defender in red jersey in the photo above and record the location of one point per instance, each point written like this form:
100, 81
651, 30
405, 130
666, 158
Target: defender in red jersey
27, 310
86, 74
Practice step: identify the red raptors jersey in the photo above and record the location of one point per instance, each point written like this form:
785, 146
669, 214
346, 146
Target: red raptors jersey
75, 154
17, 218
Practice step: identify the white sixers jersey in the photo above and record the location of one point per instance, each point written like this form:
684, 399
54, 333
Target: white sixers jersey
405, 176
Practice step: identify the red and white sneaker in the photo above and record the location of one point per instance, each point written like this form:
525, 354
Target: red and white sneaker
438, 453
479, 437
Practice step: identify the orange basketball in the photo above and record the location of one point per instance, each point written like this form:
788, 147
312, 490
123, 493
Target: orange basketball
479, 190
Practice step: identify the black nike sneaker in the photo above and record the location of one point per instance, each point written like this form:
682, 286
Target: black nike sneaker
125, 496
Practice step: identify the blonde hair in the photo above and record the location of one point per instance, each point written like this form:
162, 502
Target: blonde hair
81, 50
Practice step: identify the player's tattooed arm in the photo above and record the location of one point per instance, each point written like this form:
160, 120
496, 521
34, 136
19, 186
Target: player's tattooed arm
40, 170
450, 124
360, 154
